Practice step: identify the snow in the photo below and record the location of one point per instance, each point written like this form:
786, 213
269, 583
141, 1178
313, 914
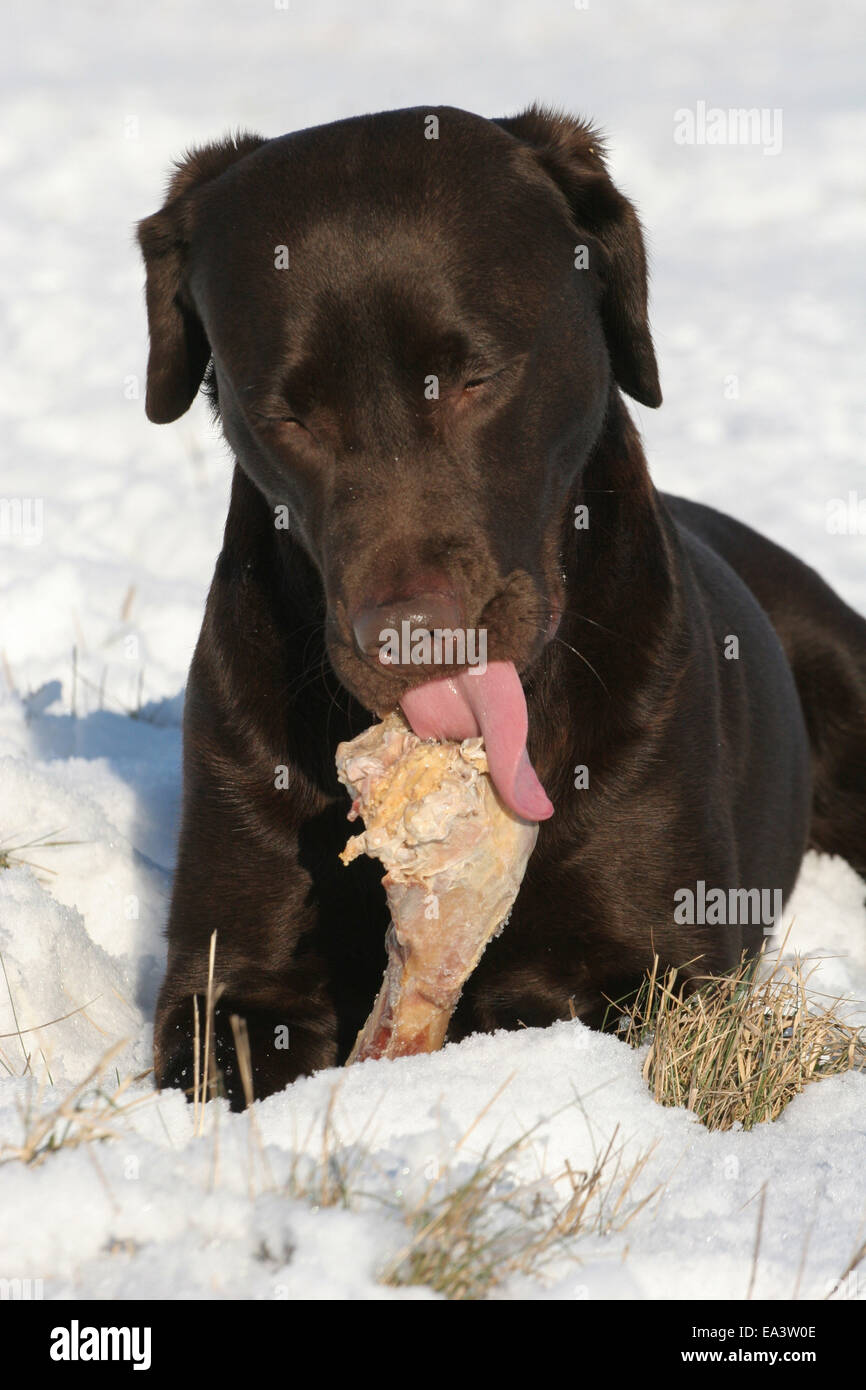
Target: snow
758, 280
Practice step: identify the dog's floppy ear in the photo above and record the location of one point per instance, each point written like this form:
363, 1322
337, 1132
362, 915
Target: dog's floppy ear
571, 153
179, 349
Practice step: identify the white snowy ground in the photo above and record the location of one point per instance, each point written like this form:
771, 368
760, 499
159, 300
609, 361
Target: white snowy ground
758, 279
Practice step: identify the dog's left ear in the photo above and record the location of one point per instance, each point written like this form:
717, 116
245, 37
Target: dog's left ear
179, 349
571, 153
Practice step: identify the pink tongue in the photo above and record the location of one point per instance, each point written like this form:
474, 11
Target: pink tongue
490, 703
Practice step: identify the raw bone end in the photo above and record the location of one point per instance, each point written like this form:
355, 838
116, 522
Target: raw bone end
455, 858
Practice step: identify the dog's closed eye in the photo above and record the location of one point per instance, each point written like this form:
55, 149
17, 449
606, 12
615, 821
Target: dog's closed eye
477, 381
271, 420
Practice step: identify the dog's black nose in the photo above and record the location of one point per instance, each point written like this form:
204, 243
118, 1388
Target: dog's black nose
378, 626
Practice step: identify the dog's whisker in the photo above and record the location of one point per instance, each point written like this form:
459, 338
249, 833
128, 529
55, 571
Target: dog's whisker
542, 626
585, 661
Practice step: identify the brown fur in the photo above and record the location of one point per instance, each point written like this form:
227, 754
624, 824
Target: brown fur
456, 257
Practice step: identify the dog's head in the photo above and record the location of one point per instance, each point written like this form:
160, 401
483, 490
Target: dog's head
415, 321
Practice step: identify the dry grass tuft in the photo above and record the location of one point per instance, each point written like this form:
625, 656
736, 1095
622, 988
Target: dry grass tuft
740, 1047
88, 1114
467, 1240
465, 1235
11, 854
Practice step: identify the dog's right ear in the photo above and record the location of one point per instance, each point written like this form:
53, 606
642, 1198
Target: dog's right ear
572, 154
179, 349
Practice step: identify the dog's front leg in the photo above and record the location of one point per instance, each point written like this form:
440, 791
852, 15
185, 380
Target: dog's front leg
298, 950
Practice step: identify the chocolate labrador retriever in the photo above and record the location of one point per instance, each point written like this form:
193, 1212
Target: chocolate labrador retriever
415, 329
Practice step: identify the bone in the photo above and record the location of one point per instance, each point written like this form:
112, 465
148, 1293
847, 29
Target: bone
454, 857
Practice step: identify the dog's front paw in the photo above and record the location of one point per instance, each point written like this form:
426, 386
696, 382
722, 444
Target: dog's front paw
244, 1054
